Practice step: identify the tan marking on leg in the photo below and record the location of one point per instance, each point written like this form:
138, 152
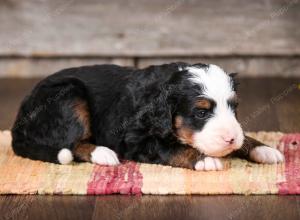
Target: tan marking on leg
185, 158
81, 110
82, 151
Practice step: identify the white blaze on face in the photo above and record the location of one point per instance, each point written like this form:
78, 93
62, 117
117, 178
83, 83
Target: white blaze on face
215, 138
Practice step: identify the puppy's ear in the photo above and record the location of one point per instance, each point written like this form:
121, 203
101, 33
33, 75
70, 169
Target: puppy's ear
234, 81
161, 113
156, 115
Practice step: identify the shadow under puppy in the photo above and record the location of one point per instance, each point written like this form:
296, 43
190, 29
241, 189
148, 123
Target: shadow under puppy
174, 114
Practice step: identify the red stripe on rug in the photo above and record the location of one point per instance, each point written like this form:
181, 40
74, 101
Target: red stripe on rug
124, 179
291, 144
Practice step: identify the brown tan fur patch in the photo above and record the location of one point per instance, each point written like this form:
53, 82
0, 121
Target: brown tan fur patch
184, 134
185, 158
82, 151
82, 112
203, 104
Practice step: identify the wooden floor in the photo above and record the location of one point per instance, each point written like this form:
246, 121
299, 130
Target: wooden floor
269, 104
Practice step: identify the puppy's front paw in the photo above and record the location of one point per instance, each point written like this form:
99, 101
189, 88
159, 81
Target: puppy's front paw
104, 156
265, 154
209, 163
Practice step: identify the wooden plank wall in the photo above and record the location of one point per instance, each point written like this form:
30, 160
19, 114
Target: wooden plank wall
256, 38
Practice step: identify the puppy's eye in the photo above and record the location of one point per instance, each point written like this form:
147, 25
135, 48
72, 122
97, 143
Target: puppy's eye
201, 113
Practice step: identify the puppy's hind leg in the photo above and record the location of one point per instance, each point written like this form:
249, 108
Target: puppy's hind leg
53, 133
51, 121
96, 154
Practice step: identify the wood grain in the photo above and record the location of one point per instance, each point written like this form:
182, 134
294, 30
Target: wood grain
149, 28
41, 67
150, 207
245, 66
46, 207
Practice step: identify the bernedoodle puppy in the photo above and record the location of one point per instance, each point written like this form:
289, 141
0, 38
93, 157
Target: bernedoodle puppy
175, 114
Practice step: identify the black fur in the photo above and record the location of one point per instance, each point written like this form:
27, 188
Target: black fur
132, 112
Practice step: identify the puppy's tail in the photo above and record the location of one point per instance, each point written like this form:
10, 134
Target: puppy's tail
65, 156
37, 152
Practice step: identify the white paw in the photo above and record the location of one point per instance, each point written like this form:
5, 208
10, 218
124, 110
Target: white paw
209, 163
265, 154
104, 156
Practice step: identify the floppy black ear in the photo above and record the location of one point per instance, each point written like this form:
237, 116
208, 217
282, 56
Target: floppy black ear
234, 81
153, 115
157, 115
152, 119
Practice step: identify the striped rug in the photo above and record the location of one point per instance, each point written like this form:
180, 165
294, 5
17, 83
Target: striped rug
23, 176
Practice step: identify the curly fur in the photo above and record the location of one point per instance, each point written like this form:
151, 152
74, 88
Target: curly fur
130, 111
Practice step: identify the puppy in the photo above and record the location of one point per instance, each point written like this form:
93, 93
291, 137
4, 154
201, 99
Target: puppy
175, 114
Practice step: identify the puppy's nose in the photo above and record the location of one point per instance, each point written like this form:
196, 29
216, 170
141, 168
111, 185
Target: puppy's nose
229, 139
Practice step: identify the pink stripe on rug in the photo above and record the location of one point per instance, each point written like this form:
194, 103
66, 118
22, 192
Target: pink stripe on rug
124, 179
291, 144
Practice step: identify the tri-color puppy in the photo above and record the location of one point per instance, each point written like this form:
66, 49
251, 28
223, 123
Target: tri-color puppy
175, 114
